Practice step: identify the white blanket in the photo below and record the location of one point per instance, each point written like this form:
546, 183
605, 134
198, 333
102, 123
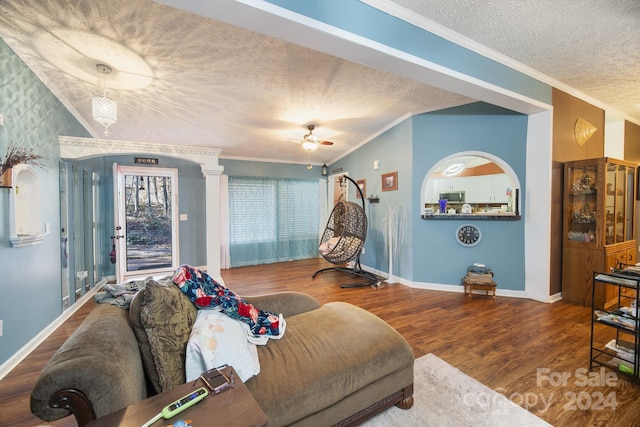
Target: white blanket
217, 339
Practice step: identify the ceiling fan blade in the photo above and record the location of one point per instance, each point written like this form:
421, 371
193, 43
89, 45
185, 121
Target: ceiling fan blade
325, 142
297, 141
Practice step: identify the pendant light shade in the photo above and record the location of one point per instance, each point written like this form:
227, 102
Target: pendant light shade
105, 109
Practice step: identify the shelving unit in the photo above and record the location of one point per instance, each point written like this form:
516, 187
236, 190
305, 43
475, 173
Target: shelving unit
598, 225
615, 329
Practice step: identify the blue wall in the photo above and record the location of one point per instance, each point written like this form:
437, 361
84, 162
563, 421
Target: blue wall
429, 252
438, 257
394, 151
30, 285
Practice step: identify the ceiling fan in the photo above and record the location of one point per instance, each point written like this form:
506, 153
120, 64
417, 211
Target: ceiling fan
310, 141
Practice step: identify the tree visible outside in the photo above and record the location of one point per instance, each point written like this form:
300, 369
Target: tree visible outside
148, 222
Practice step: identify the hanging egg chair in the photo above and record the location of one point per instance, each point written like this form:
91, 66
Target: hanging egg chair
343, 239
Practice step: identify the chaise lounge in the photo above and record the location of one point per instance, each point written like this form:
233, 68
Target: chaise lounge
337, 364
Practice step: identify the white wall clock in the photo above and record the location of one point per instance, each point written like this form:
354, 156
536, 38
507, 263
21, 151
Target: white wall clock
468, 235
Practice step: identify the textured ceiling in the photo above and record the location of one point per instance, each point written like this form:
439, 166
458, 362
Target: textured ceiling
592, 46
180, 78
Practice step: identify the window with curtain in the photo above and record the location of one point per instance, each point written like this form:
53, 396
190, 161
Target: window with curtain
272, 220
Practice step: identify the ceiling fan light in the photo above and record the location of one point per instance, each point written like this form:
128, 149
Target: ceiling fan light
309, 145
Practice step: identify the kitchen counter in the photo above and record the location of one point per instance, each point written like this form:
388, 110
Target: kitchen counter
490, 216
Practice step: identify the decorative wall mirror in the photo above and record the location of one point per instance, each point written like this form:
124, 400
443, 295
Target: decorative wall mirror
25, 214
472, 183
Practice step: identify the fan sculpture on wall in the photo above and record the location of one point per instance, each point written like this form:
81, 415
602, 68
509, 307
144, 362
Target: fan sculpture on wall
583, 131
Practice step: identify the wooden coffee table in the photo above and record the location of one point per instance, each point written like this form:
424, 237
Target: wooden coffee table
234, 407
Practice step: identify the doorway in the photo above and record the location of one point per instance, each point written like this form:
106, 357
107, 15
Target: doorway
337, 190
146, 221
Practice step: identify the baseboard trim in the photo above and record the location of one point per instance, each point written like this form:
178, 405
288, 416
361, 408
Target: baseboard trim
449, 288
555, 297
21, 354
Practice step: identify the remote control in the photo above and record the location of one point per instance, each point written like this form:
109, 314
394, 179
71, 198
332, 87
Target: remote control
186, 402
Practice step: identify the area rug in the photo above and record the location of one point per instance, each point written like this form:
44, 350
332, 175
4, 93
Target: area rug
445, 396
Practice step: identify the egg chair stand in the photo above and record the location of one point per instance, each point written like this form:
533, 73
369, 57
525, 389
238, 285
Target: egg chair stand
343, 239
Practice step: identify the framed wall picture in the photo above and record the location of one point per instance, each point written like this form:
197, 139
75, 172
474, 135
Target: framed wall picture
362, 183
390, 181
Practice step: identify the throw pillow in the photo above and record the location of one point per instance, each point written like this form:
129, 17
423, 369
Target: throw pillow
166, 315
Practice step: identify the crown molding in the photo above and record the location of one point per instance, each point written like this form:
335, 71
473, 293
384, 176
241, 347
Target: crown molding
81, 148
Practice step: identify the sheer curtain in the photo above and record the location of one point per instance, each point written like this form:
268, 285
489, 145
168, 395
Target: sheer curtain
272, 220
225, 259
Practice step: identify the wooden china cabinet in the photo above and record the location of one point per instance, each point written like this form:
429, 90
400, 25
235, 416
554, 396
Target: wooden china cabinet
598, 227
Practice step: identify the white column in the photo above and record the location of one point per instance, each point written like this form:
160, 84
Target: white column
212, 218
537, 208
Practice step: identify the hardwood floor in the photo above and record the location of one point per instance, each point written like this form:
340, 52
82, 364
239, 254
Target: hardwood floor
535, 354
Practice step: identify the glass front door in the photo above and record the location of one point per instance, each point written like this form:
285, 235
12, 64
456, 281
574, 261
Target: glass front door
147, 238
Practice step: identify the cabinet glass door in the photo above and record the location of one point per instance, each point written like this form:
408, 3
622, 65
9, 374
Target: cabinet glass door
621, 180
582, 204
610, 204
630, 199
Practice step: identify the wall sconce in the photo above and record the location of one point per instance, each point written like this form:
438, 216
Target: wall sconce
324, 169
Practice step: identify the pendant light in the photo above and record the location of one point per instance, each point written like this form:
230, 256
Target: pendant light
105, 110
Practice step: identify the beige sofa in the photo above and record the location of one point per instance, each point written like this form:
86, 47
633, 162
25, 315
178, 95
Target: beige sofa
336, 364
